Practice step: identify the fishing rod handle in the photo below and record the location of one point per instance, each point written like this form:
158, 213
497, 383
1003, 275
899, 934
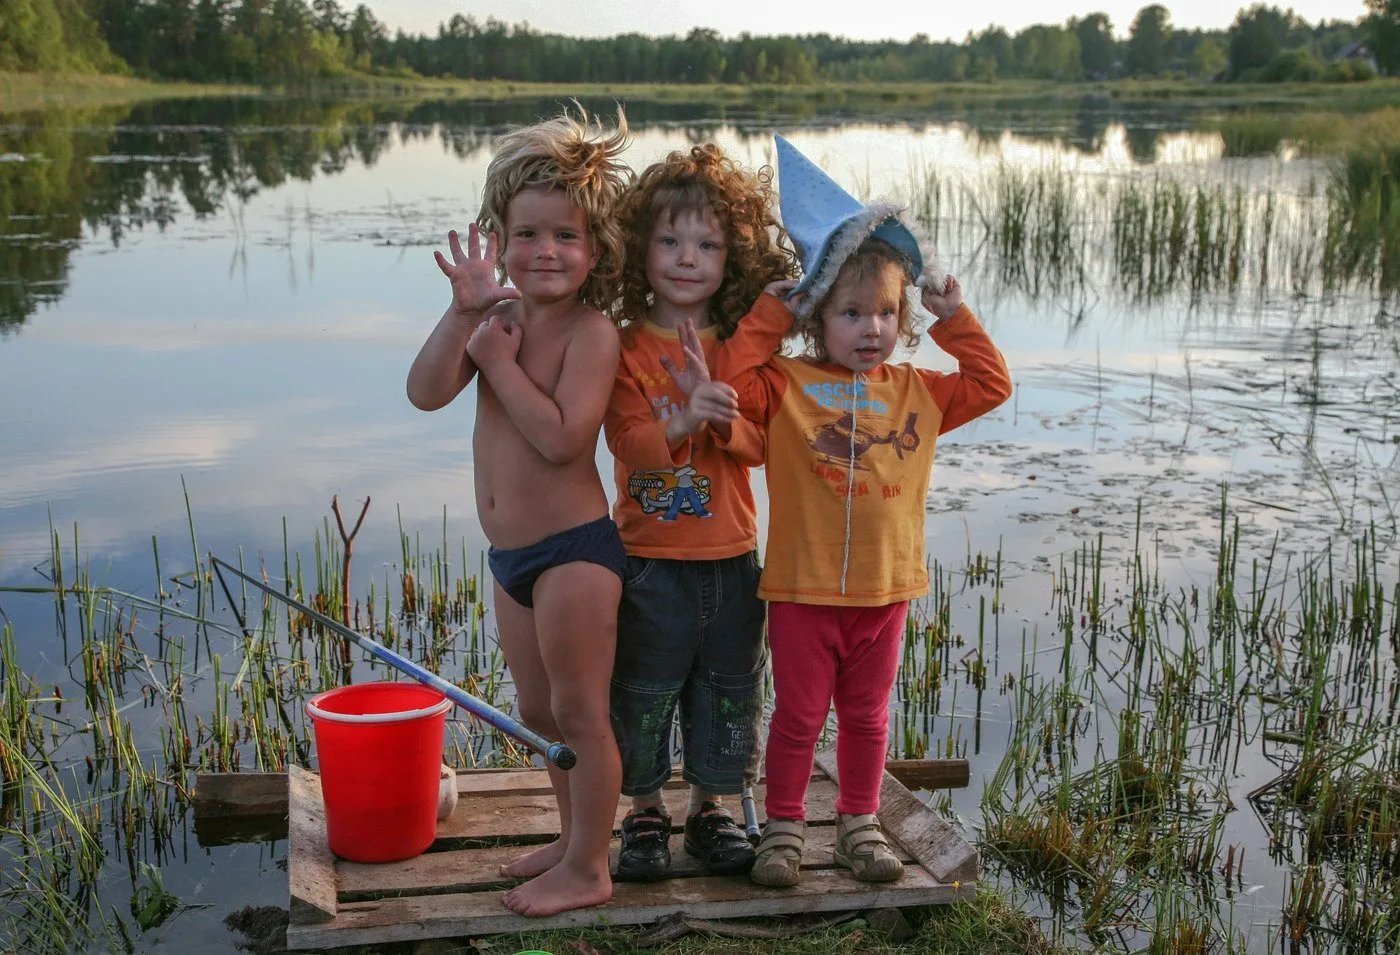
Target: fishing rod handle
561, 756
751, 827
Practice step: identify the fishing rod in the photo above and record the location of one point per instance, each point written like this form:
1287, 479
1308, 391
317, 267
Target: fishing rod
751, 827
557, 753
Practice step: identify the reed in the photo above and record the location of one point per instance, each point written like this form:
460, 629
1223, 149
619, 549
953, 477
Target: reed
1251, 133
1148, 237
1125, 713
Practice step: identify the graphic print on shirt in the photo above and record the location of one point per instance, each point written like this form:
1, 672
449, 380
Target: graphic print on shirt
832, 439
676, 491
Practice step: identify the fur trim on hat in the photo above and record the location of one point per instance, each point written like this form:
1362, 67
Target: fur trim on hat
933, 277
847, 239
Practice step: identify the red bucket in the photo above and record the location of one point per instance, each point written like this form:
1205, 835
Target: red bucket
380, 749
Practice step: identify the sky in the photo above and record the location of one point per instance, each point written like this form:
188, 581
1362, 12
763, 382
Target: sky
857, 19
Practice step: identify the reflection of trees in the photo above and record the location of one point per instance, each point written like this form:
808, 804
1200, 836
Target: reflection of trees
120, 169
42, 192
123, 168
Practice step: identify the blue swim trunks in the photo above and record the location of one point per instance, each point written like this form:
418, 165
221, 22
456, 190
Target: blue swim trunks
596, 542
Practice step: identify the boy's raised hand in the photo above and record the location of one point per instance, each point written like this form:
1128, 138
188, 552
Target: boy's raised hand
475, 287
941, 304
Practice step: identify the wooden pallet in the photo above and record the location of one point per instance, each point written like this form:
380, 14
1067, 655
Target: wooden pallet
454, 889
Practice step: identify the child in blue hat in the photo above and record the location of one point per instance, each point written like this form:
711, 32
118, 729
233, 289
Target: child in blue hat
850, 444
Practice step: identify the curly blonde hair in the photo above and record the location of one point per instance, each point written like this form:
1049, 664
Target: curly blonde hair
579, 156
697, 181
870, 259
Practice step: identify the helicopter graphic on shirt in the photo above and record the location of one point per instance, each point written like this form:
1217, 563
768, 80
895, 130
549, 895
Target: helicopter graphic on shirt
836, 444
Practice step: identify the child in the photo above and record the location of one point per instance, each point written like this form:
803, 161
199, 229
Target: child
690, 627
545, 354
850, 442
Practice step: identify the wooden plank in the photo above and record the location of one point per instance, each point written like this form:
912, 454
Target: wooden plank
310, 865
231, 801
483, 913
526, 781
930, 774
469, 870
490, 816
913, 773
926, 835
239, 794
258, 794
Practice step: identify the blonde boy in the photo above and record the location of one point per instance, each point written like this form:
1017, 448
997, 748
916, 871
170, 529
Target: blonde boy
546, 357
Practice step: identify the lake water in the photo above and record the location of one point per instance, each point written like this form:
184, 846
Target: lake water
221, 300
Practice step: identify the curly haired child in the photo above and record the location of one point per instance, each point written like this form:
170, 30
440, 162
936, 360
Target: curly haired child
545, 354
850, 442
701, 245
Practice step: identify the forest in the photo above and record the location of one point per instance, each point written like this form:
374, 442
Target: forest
299, 42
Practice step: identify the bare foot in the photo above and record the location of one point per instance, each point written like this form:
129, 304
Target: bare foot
559, 890
537, 862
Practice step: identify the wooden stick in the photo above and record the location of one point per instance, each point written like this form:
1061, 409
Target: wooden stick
349, 542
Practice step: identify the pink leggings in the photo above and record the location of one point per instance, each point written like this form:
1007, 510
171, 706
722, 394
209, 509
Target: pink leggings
821, 653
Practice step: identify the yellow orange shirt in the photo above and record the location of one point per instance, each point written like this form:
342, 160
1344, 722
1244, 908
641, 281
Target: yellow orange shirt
690, 503
849, 456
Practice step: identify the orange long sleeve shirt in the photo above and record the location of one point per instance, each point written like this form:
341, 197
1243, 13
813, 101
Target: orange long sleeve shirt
849, 456
693, 502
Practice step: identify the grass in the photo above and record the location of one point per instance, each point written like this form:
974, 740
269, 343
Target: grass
1150, 235
1363, 235
1318, 132
22, 92
1110, 808
27, 91
987, 923
1113, 796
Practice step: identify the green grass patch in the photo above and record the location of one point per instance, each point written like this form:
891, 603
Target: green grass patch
988, 923
29, 91
1316, 132
23, 92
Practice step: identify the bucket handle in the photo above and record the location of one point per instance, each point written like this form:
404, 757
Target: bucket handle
401, 716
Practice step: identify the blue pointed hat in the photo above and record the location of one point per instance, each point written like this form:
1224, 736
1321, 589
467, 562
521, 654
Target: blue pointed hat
827, 224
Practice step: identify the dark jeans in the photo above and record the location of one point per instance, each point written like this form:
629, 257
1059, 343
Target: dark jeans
689, 633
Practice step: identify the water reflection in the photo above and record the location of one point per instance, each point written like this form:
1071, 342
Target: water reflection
101, 175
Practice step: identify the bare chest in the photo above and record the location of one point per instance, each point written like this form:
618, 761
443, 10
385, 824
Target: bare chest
541, 357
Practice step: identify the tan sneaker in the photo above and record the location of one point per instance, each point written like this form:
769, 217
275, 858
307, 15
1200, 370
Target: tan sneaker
779, 859
862, 848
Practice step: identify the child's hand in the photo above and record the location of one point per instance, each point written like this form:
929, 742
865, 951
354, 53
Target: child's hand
781, 290
712, 402
494, 343
473, 275
694, 372
941, 304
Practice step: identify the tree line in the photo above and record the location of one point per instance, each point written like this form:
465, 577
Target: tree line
291, 41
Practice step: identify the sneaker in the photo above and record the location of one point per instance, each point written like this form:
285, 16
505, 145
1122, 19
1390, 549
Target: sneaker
646, 846
779, 862
862, 848
712, 836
